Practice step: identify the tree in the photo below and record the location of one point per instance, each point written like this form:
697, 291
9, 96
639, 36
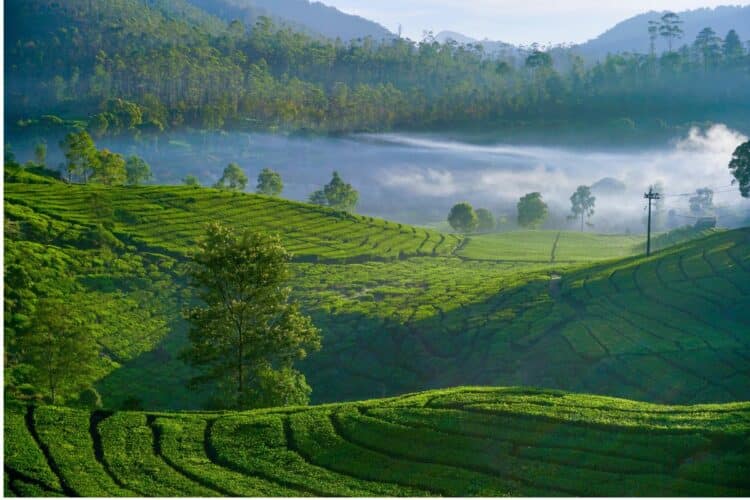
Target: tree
40, 154
270, 183
486, 221
109, 168
137, 170
702, 202
582, 204
80, 153
670, 28
340, 195
247, 334
740, 168
732, 48
532, 211
191, 180
61, 347
318, 198
462, 218
653, 34
708, 46
233, 178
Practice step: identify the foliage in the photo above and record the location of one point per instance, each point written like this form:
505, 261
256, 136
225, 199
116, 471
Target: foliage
81, 154
90, 399
171, 65
269, 183
702, 202
191, 180
582, 204
233, 178
137, 171
248, 335
61, 347
532, 211
109, 169
740, 168
463, 218
338, 195
486, 221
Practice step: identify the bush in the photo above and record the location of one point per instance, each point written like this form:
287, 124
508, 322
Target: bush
90, 399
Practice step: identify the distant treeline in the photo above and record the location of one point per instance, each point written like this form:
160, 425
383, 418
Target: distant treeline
145, 66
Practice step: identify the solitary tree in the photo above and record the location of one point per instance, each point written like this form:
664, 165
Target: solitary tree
708, 45
702, 202
233, 178
740, 168
137, 170
486, 221
61, 347
462, 218
532, 211
270, 183
80, 153
191, 180
582, 204
109, 168
247, 335
340, 195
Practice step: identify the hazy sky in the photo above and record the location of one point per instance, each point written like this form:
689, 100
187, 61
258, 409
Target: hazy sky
514, 21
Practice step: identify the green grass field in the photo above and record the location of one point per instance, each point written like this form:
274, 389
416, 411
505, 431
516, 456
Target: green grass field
462, 442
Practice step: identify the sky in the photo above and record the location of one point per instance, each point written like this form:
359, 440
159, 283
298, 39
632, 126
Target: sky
512, 21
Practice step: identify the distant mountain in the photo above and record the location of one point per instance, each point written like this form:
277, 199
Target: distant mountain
303, 15
631, 35
493, 48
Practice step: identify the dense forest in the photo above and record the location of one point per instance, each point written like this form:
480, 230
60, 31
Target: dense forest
145, 66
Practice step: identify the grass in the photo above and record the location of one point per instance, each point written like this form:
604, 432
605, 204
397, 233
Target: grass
453, 442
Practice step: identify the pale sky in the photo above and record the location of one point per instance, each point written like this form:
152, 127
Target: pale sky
513, 21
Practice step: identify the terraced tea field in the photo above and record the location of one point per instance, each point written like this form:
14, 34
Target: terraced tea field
466, 442
172, 219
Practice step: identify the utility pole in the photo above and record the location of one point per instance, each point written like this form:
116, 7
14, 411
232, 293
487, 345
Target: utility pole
650, 196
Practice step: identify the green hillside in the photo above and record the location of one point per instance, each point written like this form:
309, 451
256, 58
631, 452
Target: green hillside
465, 442
399, 312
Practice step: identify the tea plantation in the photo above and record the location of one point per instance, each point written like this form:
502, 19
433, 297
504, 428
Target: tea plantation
463, 442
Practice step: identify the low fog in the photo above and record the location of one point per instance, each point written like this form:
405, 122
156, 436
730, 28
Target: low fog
417, 178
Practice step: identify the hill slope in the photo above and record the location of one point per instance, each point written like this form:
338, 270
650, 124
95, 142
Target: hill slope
631, 35
312, 17
466, 442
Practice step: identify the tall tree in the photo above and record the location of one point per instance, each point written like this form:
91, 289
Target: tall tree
740, 168
462, 218
532, 211
61, 347
246, 335
708, 45
270, 183
80, 153
732, 48
233, 178
653, 35
340, 195
109, 168
137, 170
671, 28
582, 204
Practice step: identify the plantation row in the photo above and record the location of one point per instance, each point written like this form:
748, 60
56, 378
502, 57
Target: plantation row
470, 442
670, 328
173, 219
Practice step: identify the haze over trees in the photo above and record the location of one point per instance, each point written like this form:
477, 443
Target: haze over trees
462, 218
222, 76
702, 202
247, 335
532, 211
486, 221
582, 204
